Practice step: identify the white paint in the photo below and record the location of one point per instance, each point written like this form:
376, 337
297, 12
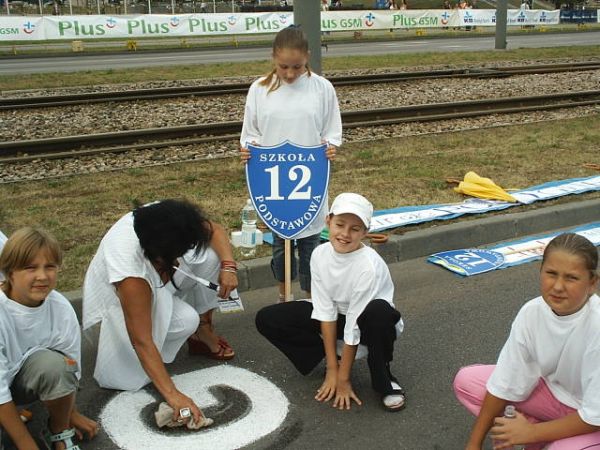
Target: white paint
122, 422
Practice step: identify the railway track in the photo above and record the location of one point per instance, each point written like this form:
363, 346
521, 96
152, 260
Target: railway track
242, 88
118, 142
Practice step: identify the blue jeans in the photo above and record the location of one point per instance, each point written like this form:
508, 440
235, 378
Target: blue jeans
305, 248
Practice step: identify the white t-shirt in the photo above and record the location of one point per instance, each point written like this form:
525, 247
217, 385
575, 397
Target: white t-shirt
305, 113
562, 350
24, 330
344, 283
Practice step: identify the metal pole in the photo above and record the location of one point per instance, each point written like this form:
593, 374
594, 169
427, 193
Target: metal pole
172, 6
41, 8
98, 6
501, 12
307, 13
7, 8
149, 7
214, 6
71, 7
125, 6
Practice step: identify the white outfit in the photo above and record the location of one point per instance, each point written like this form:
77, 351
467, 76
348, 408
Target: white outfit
562, 350
24, 330
305, 112
3, 239
120, 256
345, 283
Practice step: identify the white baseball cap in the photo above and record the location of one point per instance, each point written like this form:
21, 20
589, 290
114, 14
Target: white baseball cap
349, 203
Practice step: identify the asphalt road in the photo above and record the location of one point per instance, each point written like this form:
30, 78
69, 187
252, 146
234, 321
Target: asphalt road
450, 322
79, 62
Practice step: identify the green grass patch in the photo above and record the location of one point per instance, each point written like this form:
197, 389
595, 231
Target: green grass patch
411, 171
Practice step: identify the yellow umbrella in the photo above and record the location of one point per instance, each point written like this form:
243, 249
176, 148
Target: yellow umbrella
481, 187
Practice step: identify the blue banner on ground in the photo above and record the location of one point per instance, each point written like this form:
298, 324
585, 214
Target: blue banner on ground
408, 215
288, 185
469, 262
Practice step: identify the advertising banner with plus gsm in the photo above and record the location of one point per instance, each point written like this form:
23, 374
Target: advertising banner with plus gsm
29, 28
288, 185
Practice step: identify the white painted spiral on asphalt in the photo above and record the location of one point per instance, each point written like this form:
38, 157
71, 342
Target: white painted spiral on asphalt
122, 421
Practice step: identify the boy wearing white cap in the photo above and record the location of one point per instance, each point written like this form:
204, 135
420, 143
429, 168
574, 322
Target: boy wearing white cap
352, 297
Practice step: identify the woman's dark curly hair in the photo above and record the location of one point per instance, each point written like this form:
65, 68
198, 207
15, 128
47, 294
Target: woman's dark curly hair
168, 229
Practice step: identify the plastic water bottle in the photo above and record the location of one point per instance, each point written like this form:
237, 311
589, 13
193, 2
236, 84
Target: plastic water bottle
248, 229
249, 215
510, 413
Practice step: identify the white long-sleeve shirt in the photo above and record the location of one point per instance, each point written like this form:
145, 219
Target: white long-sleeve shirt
305, 112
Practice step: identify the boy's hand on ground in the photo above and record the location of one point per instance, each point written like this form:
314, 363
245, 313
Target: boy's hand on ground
328, 388
84, 426
344, 395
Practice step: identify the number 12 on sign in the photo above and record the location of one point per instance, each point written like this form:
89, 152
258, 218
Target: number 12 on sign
288, 185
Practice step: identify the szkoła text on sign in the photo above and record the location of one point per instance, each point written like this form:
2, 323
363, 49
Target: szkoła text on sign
288, 185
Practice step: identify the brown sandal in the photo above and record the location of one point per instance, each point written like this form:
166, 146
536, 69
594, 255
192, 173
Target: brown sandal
223, 343
197, 347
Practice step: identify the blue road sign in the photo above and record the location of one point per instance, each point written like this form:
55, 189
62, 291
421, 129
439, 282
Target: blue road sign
288, 185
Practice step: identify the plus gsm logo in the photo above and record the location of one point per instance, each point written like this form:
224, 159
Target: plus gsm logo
28, 27
445, 18
370, 19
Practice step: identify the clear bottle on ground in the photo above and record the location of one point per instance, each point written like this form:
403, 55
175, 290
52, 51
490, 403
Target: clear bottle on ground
249, 216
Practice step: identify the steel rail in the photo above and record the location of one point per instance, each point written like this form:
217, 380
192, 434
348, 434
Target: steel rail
154, 138
242, 88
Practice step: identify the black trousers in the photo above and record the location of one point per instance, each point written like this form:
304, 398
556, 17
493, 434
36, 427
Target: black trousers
288, 327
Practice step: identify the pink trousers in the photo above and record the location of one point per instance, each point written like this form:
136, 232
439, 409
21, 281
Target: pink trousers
541, 406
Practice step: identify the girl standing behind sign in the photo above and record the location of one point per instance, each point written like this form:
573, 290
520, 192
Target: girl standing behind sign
294, 104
